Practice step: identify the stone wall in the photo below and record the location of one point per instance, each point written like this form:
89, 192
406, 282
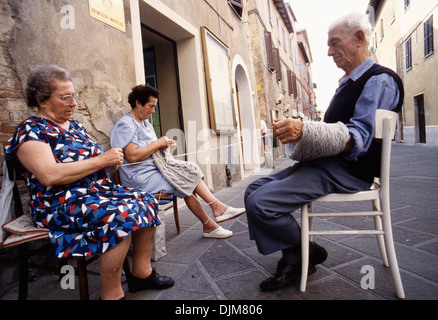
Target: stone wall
99, 57
12, 105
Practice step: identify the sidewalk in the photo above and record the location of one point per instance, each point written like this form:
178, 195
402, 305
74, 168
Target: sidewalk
231, 269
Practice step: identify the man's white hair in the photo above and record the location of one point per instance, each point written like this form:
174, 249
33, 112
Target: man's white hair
354, 22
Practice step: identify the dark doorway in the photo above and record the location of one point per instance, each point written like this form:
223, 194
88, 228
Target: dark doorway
420, 119
161, 72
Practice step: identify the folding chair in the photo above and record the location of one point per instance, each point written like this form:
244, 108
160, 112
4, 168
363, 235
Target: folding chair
378, 194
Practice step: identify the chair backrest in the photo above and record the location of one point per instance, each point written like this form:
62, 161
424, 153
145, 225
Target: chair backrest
15, 169
385, 125
380, 115
15, 172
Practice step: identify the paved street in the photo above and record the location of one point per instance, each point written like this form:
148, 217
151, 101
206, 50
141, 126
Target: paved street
231, 269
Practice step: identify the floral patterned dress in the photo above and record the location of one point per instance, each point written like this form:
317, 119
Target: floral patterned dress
91, 215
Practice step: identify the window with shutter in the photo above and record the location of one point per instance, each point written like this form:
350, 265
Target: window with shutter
408, 54
428, 37
294, 85
277, 63
289, 82
237, 5
269, 53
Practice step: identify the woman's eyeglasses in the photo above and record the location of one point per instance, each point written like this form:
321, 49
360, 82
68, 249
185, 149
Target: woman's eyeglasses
68, 99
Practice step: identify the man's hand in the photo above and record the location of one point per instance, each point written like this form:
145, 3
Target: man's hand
288, 130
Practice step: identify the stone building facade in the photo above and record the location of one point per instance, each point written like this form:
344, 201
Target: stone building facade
163, 44
405, 39
307, 97
216, 73
277, 51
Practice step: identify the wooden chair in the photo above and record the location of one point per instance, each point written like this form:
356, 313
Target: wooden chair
379, 195
163, 198
42, 247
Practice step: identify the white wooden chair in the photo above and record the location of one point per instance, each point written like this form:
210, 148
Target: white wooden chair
378, 194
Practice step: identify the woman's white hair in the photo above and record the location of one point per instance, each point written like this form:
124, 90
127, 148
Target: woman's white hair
354, 22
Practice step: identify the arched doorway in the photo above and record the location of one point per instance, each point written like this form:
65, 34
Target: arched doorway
249, 134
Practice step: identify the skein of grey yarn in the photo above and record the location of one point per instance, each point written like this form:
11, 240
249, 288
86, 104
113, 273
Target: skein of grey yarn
319, 140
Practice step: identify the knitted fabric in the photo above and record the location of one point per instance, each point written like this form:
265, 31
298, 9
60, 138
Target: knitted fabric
182, 175
319, 140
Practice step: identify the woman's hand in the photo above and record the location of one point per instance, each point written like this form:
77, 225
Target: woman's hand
112, 157
165, 142
288, 130
134, 153
38, 158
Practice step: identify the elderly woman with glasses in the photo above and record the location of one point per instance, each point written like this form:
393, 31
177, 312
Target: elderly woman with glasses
70, 193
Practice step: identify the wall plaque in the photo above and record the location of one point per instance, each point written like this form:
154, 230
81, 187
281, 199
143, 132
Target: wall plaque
111, 12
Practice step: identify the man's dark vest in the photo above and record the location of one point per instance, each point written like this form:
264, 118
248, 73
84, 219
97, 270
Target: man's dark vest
342, 109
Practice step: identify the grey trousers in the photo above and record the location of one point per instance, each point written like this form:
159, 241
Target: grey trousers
270, 201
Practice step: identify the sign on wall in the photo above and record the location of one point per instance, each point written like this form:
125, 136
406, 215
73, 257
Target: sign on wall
111, 12
217, 70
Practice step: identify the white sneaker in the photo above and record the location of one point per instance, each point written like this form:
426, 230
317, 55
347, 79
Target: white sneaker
219, 233
230, 213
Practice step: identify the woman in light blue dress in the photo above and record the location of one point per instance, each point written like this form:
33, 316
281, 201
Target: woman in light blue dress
136, 136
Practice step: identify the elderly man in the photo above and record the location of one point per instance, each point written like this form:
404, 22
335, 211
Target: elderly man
336, 155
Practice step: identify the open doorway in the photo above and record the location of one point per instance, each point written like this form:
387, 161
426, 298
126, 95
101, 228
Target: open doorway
161, 72
420, 119
250, 136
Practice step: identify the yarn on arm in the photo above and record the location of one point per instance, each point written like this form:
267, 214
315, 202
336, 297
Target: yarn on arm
319, 140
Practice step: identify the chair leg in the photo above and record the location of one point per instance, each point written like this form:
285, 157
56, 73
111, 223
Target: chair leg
390, 249
310, 209
83, 279
175, 214
381, 241
304, 247
23, 272
380, 238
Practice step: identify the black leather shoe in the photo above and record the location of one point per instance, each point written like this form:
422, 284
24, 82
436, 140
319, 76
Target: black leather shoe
153, 281
284, 275
287, 273
317, 254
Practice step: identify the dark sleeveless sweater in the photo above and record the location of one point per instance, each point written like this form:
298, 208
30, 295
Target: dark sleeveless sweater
342, 109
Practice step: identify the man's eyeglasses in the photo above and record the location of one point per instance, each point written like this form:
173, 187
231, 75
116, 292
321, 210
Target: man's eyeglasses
68, 99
